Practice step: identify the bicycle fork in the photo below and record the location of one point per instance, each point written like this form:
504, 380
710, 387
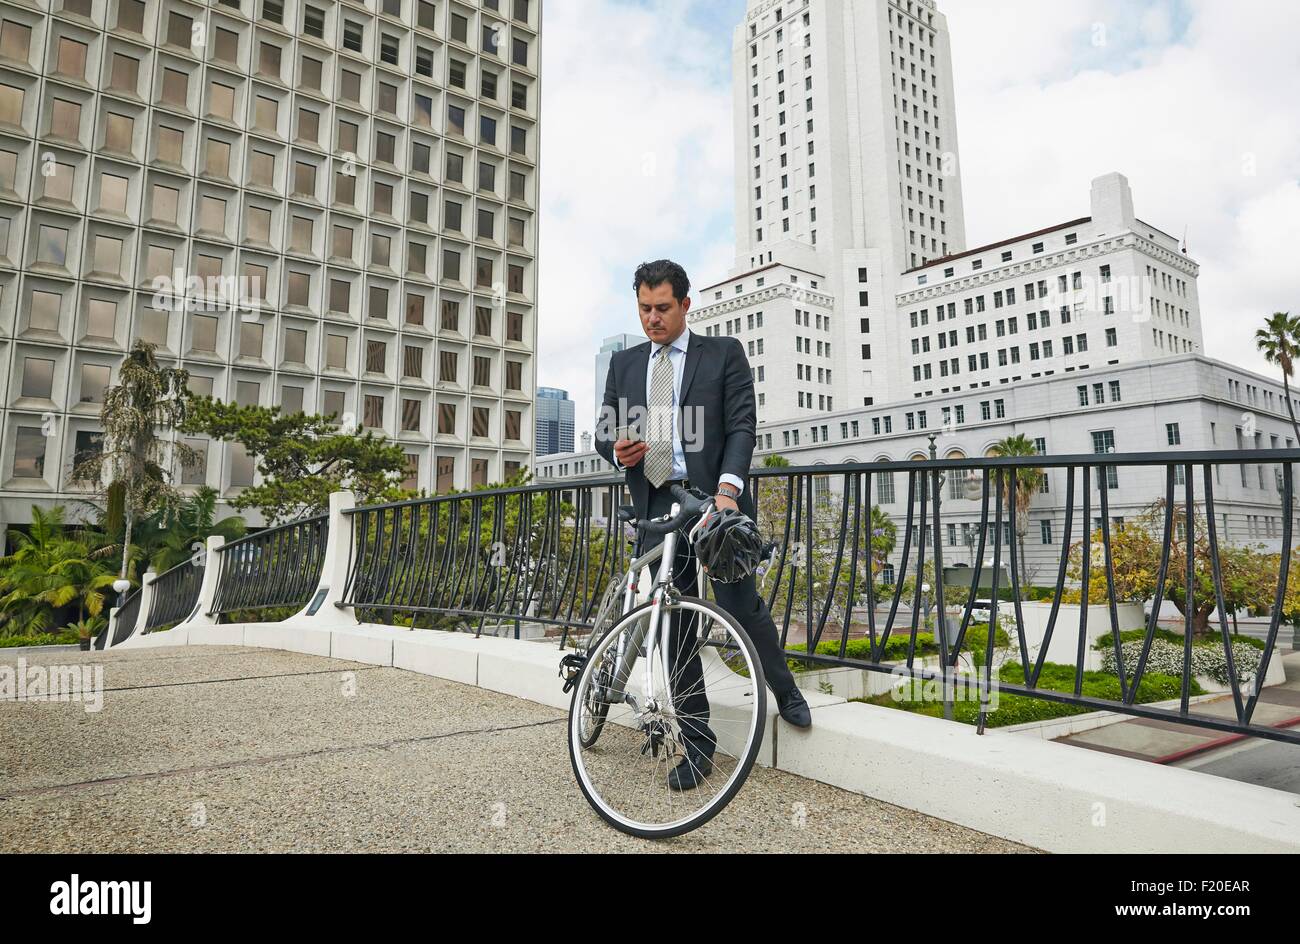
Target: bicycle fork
652, 636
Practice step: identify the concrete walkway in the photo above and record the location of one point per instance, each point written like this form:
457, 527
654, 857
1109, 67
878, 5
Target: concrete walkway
240, 750
1268, 763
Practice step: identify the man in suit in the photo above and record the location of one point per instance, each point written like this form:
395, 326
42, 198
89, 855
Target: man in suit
701, 391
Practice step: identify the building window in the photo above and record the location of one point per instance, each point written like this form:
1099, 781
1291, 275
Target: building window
447, 419
295, 345
38, 377
373, 411
241, 466
411, 416
1103, 443
447, 366
413, 362
250, 339
29, 453
336, 351
376, 356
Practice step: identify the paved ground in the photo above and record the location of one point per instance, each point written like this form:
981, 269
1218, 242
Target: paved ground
231, 749
1252, 760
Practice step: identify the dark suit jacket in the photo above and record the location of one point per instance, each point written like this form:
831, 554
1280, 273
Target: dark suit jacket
717, 394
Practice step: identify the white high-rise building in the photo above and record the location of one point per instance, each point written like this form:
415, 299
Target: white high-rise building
846, 123
847, 173
360, 180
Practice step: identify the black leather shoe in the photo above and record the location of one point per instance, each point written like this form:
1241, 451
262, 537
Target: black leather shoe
690, 773
794, 708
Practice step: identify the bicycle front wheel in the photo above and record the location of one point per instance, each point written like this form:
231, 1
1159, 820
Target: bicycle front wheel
705, 696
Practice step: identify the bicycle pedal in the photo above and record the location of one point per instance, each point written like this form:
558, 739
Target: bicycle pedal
654, 738
570, 668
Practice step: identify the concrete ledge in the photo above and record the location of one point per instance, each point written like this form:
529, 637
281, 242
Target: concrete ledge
523, 669
1048, 795
229, 634
363, 644
286, 636
421, 651
176, 636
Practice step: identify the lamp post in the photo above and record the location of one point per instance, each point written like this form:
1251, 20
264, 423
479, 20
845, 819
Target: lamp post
120, 586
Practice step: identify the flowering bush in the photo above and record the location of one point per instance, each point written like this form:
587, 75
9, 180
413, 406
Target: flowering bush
1207, 659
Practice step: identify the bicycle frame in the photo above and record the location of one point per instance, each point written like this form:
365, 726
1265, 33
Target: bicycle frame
630, 645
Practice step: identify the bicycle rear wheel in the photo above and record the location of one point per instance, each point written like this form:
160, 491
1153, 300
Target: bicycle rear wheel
625, 776
608, 612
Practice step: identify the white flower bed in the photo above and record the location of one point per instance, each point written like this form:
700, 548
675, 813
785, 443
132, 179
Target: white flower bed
1207, 660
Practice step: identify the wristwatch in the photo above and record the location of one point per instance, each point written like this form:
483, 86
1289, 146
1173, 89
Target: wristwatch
726, 488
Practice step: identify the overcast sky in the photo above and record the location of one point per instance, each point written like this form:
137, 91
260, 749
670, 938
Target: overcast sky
1193, 100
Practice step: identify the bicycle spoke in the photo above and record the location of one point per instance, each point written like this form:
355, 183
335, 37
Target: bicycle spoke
647, 738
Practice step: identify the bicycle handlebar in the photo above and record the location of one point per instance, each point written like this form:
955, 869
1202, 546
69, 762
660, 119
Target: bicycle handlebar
691, 506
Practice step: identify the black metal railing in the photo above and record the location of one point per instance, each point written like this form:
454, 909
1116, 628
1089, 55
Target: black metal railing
821, 513
540, 553
175, 594
843, 593
128, 615
276, 568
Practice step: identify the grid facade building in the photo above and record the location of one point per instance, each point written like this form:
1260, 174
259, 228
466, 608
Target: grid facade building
554, 421
329, 207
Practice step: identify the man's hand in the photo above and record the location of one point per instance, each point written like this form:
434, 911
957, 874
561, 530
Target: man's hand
629, 452
723, 500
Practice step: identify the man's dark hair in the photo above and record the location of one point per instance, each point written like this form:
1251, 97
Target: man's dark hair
657, 273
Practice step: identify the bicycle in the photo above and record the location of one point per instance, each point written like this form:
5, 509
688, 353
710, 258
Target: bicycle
626, 729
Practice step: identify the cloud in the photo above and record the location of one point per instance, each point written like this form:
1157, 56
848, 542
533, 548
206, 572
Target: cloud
636, 164
1193, 102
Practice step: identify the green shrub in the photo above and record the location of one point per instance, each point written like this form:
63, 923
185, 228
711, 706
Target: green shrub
64, 638
977, 639
859, 649
276, 614
1017, 709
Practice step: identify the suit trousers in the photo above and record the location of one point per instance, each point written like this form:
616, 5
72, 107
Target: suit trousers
741, 601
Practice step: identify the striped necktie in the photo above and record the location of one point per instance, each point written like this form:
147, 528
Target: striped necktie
659, 435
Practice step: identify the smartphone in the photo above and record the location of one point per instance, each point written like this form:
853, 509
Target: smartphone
630, 431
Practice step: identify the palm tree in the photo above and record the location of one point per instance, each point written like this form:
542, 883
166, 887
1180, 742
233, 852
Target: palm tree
1279, 342
884, 535
1024, 484
51, 569
147, 399
187, 529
